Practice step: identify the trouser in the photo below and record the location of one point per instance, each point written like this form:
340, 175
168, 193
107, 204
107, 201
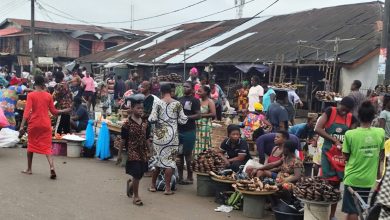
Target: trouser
64, 126
218, 110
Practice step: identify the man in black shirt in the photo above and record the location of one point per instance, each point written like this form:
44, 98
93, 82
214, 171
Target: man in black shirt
79, 118
187, 132
234, 149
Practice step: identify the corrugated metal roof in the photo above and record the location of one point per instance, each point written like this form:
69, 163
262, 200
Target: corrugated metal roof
248, 40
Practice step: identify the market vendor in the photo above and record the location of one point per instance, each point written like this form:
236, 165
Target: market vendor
304, 131
255, 121
79, 118
266, 143
290, 167
234, 150
332, 126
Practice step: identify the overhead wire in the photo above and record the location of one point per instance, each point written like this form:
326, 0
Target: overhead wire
135, 20
11, 6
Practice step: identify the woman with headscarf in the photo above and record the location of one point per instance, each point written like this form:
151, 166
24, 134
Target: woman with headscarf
255, 121
332, 126
36, 113
234, 150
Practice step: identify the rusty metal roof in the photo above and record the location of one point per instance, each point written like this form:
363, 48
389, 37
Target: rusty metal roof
260, 39
73, 27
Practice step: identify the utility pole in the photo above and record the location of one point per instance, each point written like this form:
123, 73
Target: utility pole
386, 40
184, 61
31, 43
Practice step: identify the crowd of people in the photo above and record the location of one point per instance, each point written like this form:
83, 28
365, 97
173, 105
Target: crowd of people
167, 127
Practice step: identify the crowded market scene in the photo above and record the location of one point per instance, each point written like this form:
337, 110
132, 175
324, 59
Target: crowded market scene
277, 117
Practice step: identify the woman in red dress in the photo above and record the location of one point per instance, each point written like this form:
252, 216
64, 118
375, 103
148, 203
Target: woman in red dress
36, 113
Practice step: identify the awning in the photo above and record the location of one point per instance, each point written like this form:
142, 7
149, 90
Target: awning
24, 60
246, 67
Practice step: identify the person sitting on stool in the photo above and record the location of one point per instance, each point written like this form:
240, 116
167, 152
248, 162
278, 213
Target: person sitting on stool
79, 118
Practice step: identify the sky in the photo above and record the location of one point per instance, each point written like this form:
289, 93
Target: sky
97, 11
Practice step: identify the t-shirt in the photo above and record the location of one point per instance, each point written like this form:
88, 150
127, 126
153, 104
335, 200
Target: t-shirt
359, 98
386, 116
276, 114
253, 96
363, 146
267, 99
82, 113
191, 105
234, 149
89, 84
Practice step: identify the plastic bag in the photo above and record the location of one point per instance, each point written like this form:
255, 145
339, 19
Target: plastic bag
89, 135
103, 143
160, 182
8, 138
3, 120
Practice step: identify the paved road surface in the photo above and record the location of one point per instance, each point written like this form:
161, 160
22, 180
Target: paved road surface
90, 189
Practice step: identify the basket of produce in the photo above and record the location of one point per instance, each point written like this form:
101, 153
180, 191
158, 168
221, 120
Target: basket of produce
316, 189
208, 161
224, 177
327, 96
172, 77
255, 186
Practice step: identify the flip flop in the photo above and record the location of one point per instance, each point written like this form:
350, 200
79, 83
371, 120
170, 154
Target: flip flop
138, 202
152, 189
168, 193
26, 172
129, 189
53, 174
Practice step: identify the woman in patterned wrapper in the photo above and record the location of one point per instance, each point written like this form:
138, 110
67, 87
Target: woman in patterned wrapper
166, 115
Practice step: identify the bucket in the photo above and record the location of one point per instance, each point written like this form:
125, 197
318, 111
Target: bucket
204, 186
222, 187
315, 211
59, 149
284, 212
73, 149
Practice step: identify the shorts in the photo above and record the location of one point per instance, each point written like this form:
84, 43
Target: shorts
349, 206
136, 168
187, 139
274, 175
88, 94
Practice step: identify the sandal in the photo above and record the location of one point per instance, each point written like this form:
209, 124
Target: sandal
129, 189
168, 193
26, 172
53, 174
152, 189
138, 202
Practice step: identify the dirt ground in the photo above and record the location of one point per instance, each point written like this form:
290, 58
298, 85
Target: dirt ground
90, 189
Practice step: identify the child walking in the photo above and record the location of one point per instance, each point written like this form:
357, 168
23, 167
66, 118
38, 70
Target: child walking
134, 139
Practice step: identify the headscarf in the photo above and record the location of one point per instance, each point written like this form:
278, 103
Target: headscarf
258, 106
15, 81
194, 71
245, 83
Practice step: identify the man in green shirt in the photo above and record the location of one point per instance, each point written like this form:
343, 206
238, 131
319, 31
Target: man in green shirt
363, 149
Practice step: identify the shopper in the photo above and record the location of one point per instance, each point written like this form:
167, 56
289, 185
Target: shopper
332, 126
234, 150
119, 88
357, 96
134, 138
269, 96
242, 98
63, 96
89, 89
187, 132
277, 113
384, 117
305, 130
166, 115
256, 93
36, 113
363, 149
219, 98
204, 125
8, 99
255, 123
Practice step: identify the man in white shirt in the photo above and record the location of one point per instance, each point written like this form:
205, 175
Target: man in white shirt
256, 93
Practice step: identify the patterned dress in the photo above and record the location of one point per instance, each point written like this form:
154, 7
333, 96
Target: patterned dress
242, 99
203, 132
166, 116
8, 100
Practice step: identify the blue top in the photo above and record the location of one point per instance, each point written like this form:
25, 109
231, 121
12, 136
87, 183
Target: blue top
265, 144
267, 99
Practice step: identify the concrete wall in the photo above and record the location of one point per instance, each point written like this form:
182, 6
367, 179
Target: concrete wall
366, 73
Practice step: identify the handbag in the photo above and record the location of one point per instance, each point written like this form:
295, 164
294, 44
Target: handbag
160, 182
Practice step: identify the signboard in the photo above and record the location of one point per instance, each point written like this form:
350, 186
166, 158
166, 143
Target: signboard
45, 60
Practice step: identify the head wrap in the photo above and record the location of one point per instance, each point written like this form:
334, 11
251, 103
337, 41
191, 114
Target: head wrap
245, 83
194, 71
15, 81
348, 102
258, 106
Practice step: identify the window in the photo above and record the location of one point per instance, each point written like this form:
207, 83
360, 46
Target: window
109, 44
85, 47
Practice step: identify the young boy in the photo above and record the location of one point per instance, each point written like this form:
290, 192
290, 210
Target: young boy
135, 140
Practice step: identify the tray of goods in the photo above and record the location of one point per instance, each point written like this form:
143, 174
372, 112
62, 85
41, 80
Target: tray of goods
328, 96
255, 186
21, 104
57, 136
316, 190
226, 176
208, 161
172, 77
286, 86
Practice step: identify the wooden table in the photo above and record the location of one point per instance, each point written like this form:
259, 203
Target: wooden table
254, 203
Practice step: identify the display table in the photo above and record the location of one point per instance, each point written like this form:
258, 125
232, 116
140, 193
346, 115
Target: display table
254, 203
111, 127
205, 186
316, 210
